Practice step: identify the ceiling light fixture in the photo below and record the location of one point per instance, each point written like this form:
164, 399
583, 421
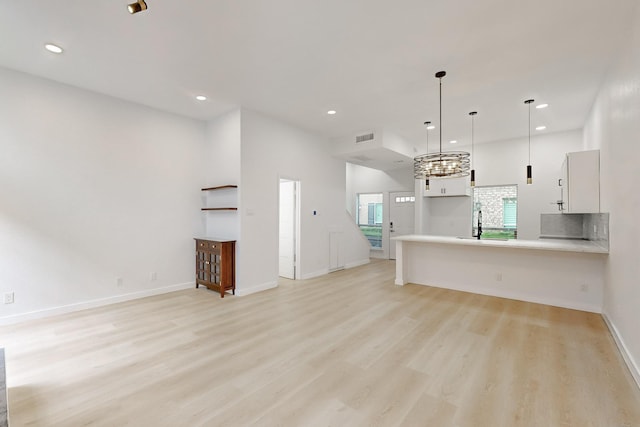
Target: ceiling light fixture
453, 142
201, 97
541, 106
429, 127
53, 48
529, 171
473, 171
136, 7
541, 127
443, 164
331, 112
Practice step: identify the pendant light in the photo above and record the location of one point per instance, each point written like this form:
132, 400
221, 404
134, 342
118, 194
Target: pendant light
529, 169
443, 164
136, 7
426, 181
473, 171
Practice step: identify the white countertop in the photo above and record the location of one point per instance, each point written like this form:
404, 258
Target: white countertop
565, 245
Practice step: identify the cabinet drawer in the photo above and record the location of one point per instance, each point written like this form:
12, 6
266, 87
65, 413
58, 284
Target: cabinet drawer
208, 245
203, 245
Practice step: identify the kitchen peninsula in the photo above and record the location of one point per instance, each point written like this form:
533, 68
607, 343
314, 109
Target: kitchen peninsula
559, 272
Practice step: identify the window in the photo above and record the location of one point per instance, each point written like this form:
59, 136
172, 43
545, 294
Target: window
370, 217
499, 206
405, 199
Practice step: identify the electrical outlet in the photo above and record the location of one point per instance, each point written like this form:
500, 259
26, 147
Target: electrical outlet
8, 298
153, 276
119, 282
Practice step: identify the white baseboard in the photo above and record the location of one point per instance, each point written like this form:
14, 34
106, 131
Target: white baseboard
39, 314
622, 347
252, 290
357, 263
315, 274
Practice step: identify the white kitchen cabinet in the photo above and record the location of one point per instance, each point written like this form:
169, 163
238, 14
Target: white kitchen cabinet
447, 187
580, 182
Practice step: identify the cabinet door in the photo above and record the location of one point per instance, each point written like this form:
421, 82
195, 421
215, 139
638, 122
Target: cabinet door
448, 187
583, 182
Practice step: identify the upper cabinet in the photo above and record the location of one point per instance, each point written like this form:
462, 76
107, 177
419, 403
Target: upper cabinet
447, 187
580, 182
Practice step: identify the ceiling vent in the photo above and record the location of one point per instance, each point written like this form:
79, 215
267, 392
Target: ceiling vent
364, 138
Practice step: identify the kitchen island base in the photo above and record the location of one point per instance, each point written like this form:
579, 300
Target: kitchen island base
557, 277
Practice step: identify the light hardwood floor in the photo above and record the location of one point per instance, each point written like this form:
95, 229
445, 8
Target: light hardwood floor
347, 349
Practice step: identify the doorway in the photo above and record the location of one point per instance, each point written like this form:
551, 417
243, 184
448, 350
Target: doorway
401, 217
288, 229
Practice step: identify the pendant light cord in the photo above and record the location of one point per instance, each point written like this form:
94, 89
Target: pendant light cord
472, 151
529, 132
440, 78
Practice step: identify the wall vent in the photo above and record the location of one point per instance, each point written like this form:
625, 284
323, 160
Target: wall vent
364, 138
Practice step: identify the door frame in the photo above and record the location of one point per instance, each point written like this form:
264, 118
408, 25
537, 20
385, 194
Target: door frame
296, 228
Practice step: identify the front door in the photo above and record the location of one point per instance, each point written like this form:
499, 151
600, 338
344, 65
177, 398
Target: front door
401, 217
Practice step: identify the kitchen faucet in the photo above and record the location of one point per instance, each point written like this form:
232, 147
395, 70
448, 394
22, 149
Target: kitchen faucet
479, 224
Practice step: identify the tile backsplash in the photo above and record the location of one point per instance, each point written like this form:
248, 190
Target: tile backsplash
568, 226
593, 227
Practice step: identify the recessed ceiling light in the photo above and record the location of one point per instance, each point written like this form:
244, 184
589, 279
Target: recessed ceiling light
540, 106
53, 48
331, 112
541, 128
431, 127
453, 142
201, 98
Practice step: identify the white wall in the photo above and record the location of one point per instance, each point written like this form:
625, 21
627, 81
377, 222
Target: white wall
504, 162
93, 188
222, 167
272, 150
614, 128
361, 179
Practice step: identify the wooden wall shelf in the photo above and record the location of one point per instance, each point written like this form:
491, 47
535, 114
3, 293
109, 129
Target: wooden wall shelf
221, 208
222, 187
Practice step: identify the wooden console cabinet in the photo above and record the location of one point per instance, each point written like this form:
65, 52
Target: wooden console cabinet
216, 264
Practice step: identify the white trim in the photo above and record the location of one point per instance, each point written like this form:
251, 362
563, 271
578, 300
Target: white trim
254, 289
315, 274
358, 263
624, 351
38, 314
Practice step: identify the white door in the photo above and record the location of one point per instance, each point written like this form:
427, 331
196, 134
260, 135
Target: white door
401, 217
287, 229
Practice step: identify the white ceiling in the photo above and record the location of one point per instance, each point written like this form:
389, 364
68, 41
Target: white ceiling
371, 60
